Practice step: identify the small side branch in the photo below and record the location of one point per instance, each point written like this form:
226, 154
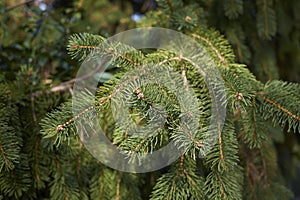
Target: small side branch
109, 50
221, 58
280, 107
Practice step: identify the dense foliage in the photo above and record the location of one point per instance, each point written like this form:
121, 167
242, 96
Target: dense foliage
41, 155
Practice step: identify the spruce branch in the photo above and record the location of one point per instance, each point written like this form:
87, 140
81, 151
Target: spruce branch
253, 130
225, 173
121, 86
82, 45
181, 182
283, 111
219, 48
217, 52
76, 40
109, 51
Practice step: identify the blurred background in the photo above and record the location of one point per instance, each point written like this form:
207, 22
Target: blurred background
34, 35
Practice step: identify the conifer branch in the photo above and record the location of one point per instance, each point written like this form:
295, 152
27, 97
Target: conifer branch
124, 84
140, 144
109, 51
276, 106
221, 58
152, 99
285, 110
179, 173
62, 126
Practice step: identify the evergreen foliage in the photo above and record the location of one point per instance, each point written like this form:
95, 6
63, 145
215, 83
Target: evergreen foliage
42, 156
